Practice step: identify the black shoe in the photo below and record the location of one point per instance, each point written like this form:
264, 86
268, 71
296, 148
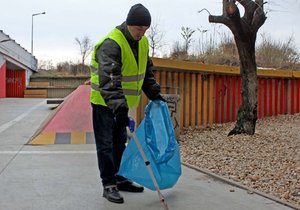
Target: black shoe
112, 194
129, 186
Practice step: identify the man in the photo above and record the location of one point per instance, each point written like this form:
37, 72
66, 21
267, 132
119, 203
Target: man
120, 69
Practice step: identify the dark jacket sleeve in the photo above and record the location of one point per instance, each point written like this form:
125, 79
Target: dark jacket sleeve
109, 58
150, 87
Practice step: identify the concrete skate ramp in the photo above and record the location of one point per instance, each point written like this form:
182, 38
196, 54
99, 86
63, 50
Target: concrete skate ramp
70, 122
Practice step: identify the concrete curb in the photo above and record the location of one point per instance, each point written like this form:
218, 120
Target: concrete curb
236, 184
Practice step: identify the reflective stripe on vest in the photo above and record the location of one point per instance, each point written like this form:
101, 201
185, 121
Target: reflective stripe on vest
125, 91
132, 74
124, 78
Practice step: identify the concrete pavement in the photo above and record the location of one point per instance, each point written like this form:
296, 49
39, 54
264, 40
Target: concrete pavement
65, 176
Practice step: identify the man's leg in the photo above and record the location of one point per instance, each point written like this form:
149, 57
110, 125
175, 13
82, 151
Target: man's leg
123, 184
120, 139
103, 122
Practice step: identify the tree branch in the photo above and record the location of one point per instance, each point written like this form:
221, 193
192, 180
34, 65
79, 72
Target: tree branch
250, 7
216, 19
258, 19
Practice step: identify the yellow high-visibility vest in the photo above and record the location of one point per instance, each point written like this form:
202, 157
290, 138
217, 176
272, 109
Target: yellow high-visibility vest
132, 74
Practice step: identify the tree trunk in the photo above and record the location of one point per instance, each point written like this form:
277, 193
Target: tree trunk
247, 113
244, 30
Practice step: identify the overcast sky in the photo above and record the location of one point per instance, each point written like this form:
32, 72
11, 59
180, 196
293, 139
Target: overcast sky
55, 32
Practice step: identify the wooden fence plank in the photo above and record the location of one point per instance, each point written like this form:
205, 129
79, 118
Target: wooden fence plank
281, 97
217, 99
199, 100
228, 102
187, 101
175, 83
223, 98
285, 96
182, 98
276, 90
169, 83
292, 96
163, 82
193, 101
260, 101
211, 98
270, 90
265, 94
205, 94
234, 94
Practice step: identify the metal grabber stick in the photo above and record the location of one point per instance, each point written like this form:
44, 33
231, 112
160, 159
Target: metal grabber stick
147, 163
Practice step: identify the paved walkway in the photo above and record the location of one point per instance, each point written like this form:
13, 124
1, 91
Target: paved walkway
65, 176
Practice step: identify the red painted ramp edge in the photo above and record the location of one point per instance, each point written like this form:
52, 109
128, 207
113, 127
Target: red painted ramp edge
74, 115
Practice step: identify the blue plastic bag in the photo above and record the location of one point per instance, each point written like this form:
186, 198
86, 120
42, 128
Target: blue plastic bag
156, 136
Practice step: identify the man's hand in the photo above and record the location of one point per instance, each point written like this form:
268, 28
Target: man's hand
122, 120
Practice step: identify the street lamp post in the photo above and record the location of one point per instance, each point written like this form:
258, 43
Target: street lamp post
41, 13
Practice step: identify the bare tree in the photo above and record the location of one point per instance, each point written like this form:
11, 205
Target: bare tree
155, 37
187, 34
244, 30
85, 48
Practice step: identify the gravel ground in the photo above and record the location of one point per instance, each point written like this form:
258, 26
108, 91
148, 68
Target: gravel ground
268, 161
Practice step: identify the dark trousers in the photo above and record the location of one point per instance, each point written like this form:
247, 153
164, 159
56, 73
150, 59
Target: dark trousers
110, 143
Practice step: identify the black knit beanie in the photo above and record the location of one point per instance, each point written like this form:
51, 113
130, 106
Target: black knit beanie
138, 15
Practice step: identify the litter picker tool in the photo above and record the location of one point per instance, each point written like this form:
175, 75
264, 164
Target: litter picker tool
147, 163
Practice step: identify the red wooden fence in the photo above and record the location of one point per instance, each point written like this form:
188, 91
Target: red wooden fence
212, 94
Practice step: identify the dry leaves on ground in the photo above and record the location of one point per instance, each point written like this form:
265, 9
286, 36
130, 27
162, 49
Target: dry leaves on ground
268, 161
